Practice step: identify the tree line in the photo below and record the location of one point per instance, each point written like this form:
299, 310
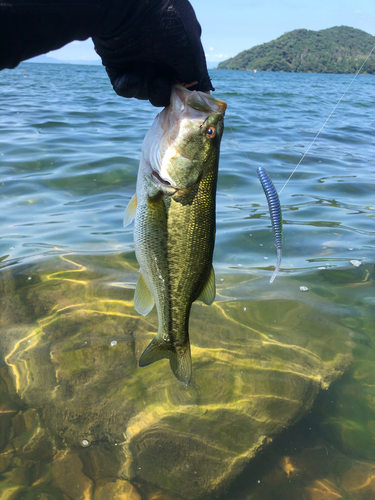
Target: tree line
334, 50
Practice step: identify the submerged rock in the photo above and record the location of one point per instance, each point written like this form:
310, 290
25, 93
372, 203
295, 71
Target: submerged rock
116, 490
257, 367
69, 478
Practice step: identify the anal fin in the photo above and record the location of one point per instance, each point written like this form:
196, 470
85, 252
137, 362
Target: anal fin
143, 300
208, 293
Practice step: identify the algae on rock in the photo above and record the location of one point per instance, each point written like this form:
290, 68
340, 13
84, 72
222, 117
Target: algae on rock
72, 349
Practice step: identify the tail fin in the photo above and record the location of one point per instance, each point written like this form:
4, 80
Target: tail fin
179, 359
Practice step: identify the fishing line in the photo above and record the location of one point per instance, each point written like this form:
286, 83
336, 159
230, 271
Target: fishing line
325, 123
271, 192
275, 212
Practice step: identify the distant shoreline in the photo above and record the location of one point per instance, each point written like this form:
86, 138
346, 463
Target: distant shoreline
337, 50
294, 72
90, 62
52, 60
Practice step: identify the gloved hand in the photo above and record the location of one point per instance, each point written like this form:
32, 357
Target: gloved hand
155, 45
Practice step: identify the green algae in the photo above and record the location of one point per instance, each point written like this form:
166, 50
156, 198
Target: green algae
73, 363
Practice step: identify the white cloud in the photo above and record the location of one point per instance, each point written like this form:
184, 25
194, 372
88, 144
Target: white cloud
216, 57
211, 48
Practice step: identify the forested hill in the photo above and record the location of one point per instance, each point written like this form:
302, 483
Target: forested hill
335, 50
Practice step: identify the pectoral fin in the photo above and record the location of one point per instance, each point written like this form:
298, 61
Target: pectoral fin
143, 300
130, 211
179, 359
209, 290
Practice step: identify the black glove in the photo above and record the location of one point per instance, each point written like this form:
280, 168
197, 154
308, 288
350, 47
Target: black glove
151, 46
146, 45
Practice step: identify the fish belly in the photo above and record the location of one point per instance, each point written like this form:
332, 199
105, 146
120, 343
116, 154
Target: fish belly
174, 238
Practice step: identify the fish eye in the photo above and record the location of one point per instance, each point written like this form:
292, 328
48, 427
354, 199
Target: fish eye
211, 132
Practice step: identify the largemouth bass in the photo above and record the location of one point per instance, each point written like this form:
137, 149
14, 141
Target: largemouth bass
174, 210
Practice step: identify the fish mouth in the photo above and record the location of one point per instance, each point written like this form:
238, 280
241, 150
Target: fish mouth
165, 185
160, 179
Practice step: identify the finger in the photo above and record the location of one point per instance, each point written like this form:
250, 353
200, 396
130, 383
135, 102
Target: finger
142, 81
180, 48
127, 83
187, 85
160, 90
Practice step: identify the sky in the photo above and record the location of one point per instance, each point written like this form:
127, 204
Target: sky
230, 27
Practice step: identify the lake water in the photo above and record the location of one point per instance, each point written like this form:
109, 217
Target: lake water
69, 153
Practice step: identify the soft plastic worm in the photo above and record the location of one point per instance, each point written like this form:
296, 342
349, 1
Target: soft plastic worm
275, 213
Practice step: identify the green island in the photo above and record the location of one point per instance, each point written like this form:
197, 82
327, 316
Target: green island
334, 50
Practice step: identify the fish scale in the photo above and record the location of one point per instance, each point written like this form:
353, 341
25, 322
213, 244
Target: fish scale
174, 230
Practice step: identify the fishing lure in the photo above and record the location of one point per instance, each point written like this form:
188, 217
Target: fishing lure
275, 213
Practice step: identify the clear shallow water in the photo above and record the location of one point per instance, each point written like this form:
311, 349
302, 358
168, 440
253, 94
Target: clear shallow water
69, 152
